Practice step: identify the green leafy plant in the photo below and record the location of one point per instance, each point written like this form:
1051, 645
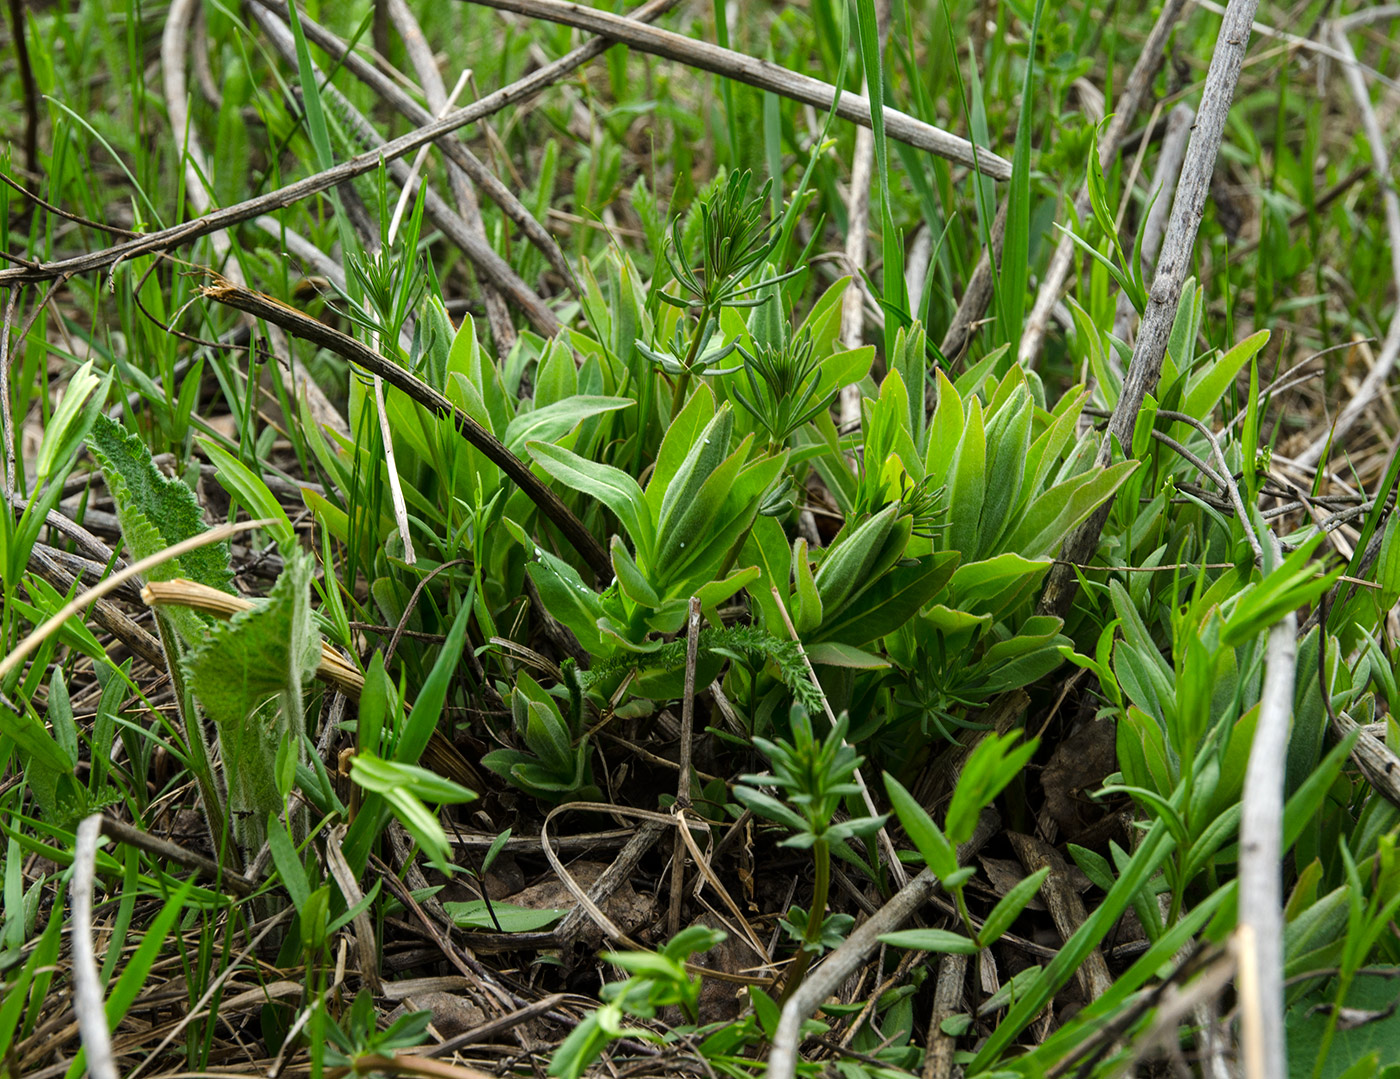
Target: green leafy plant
659, 980
815, 776
556, 763
990, 767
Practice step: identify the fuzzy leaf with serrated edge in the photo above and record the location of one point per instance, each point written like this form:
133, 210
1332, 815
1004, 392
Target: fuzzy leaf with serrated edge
155, 512
265, 653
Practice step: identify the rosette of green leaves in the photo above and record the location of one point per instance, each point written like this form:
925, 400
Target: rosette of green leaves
687, 529
555, 765
816, 775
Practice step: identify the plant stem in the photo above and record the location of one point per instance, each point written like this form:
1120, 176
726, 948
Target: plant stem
683, 382
811, 937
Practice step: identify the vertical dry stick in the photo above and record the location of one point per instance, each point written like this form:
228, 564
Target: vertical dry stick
1259, 937
1179, 122
420, 54
1380, 163
1139, 82
692, 658
947, 1001
7, 422
174, 41
87, 984
1188, 207
857, 228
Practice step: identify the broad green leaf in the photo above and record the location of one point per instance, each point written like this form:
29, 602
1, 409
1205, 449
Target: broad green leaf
681, 436
474, 914
1209, 388
708, 450
1052, 516
967, 484
894, 598
610, 486
833, 654
551, 422
931, 940
938, 853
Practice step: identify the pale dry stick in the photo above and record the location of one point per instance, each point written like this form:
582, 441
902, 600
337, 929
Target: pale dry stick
947, 1001
454, 149
420, 55
198, 1010
823, 980
1173, 265
1380, 162
7, 423
692, 657
386, 439
115, 581
87, 983
760, 74
901, 878
350, 888
857, 235
1179, 122
174, 44
218, 220
1134, 92
1259, 938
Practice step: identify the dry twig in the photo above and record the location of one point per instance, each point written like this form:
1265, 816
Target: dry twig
758, 73
1188, 207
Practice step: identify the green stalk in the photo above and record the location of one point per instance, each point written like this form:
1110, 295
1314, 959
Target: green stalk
683, 382
811, 937
200, 757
